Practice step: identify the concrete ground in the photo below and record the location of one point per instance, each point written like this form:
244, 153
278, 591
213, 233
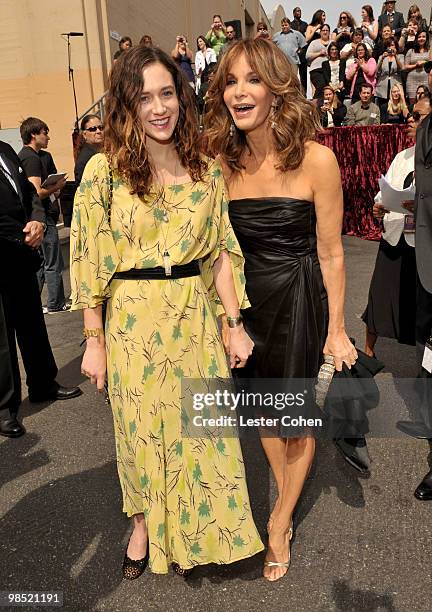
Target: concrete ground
361, 544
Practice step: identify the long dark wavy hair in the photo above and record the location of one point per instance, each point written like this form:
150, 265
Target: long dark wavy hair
317, 17
296, 119
125, 139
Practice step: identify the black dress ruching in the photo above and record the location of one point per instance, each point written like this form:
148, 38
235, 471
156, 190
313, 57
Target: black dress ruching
288, 318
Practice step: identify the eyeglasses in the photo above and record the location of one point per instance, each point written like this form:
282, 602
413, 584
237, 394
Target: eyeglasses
94, 128
263, 29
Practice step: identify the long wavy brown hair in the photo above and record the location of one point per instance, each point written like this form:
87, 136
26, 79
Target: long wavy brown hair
125, 139
296, 120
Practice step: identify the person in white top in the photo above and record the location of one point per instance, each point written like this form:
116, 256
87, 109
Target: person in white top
369, 25
203, 57
348, 51
391, 309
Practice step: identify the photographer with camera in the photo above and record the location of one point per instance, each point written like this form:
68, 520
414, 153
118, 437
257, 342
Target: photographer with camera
332, 111
361, 72
407, 39
183, 56
262, 30
217, 34
389, 72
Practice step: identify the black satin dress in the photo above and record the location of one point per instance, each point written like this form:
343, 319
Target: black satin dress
288, 318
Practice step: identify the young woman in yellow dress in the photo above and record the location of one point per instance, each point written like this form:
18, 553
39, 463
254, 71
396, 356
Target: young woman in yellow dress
151, 238
286, 210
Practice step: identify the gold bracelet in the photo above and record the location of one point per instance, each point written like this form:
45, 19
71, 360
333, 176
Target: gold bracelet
234, 321
93, 333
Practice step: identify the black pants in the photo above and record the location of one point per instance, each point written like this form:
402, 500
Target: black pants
303, 73
6, 376
318, 81
25, 323
423, 318
423, 332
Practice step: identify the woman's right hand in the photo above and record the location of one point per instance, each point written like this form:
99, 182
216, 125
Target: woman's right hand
94, 363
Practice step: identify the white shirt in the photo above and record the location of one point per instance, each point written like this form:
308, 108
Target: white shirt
399, 169
330, 122
334, 72
200, 61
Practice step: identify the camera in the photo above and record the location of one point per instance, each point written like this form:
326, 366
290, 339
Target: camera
390, 51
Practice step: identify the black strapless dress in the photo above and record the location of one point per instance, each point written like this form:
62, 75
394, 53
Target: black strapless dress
288, 318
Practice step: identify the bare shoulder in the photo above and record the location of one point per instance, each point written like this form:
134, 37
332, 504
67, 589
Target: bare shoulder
318, 157
321, 163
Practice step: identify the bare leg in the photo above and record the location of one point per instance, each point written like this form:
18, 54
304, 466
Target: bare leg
371, 339
275, 449
299, 453
138, 541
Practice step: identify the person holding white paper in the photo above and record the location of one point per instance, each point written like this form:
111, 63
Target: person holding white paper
422, 426
391, 307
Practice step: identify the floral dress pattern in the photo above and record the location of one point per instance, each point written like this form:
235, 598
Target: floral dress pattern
192, 491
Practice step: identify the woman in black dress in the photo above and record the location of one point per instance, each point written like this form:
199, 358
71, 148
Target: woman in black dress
286, 210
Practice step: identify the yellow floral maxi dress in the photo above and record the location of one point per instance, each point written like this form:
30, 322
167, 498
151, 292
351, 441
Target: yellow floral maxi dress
192, 492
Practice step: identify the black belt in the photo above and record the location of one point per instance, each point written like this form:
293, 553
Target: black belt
184, 271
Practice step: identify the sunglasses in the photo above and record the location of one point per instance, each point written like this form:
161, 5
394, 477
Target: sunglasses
263, 29
94, 128
343, 17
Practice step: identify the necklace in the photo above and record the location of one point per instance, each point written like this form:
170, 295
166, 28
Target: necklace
165, 220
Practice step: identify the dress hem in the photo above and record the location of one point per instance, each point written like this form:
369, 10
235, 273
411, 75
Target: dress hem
211, 561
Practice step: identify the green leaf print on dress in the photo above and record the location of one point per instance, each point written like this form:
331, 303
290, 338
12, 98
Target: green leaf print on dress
192, 491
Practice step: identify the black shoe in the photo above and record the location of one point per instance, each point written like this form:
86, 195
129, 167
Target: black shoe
10, 428
181, 571
133, 568
415, 429
56, 392
355, 452
424, 490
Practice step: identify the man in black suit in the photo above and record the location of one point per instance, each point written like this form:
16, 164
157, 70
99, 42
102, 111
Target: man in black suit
22, 224
423, 247
391, 17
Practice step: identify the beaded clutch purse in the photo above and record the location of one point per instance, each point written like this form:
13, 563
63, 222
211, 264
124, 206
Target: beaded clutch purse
325, 376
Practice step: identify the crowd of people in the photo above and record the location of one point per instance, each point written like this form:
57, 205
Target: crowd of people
387, 54
151, 208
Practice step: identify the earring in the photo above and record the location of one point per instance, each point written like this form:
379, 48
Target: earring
273, 123
232, 129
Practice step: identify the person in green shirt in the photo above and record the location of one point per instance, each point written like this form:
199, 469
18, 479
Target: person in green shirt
217, 34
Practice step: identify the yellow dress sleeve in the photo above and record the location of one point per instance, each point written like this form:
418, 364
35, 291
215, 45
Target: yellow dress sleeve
93, 255
226, 241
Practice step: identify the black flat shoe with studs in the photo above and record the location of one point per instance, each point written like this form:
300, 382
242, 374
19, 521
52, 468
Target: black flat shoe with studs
133, 568
181, 571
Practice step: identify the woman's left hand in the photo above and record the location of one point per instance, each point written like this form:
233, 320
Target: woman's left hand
341, 348
240, 347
